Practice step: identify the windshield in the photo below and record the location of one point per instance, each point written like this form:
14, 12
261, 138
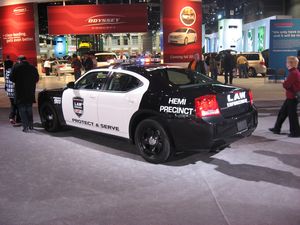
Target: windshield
183, 78
182, 30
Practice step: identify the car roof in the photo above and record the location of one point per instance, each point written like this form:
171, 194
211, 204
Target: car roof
142, 69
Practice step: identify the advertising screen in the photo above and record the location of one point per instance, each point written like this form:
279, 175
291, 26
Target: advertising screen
17, 29
284, 41
261, 38
182, 25
97, 19
60, 47
230, 34
250, 41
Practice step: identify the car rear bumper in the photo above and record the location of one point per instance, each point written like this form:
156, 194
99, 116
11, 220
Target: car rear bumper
212, 134
261, 69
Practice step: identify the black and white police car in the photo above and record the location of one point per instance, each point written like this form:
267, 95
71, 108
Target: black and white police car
162, 109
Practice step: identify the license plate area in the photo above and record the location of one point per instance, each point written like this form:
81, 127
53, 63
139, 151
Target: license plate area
242, 125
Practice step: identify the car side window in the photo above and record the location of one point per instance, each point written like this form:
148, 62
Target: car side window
122, 82
92, 81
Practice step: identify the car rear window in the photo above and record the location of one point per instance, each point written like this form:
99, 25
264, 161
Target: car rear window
183, 78
252, 56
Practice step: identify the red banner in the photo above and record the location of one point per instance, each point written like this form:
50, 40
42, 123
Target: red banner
17, 30
182, 30
97, 19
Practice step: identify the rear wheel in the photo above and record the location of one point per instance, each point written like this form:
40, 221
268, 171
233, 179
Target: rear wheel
252, 72
49, 117
152, 141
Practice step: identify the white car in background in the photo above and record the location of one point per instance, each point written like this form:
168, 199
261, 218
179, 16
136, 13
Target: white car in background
183, 36
105, 58
61, 67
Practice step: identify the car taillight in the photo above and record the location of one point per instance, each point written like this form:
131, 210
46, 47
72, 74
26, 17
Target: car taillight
207, 106
262, 63
251, 97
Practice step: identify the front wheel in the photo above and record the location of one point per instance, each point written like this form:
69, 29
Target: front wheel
186, 41
49, 117
152, 141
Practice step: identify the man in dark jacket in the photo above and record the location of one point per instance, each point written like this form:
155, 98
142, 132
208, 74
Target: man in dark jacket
25, 77
228, 65
289, 107
76, 65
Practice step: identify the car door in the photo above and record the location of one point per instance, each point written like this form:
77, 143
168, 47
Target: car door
80, 104
120, 101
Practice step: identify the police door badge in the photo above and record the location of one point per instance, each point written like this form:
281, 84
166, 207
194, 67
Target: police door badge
78, 106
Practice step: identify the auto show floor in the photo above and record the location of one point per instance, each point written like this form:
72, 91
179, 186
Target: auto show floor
78, 177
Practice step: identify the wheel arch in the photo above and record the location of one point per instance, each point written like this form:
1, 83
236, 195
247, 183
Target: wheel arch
146, 114
44, 98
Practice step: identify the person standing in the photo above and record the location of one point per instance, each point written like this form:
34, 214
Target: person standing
197, 65
88, 63
14, 116
8, 64
228, 63
10, 89
25, 76
47, 67
76, 65
289, 107
94, 60
242, 64
213, 64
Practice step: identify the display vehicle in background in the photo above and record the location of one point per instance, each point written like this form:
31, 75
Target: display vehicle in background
162, 109
105, 58
61, 67
256, 63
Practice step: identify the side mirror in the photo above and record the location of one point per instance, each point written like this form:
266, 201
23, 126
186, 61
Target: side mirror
71, 85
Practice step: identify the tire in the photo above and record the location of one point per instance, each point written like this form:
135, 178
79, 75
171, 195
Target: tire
186, 41
252, 72
152, 141
49, 117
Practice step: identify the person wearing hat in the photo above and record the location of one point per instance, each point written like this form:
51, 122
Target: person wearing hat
25, 76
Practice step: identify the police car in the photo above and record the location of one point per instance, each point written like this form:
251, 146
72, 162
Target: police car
162, 109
